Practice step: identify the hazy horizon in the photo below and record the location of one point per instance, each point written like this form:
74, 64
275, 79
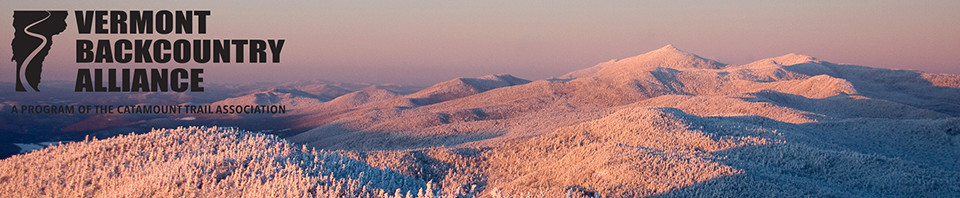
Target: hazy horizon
421, 43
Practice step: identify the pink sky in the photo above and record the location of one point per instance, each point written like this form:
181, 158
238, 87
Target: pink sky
423, 42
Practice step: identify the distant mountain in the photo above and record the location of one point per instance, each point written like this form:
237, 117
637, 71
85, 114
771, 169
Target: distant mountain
462, 87
361, 97
292, 98
381, 101
665, 57
319, 87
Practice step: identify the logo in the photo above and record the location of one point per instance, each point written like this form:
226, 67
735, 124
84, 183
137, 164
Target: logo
31, 43
34, 31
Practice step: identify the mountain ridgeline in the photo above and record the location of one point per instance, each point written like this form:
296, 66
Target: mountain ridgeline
664, 123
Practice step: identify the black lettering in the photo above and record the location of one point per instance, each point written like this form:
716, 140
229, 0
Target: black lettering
195, 80
159, 47
84, 51
112, 80
101, 21
201, 52
103, 52
221, 50
239, 46
184, 22
258, 52
140, 81
98, 81
164, 22
141, 24
202, 20
159, 80
181, 51
84, 83
126, 80
119, 46
275, 47
175, 77
142, 51
84, 22
118, 22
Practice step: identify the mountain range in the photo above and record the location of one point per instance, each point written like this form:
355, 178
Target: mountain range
662, 123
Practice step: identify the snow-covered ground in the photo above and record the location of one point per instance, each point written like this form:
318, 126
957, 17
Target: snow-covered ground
194, 162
